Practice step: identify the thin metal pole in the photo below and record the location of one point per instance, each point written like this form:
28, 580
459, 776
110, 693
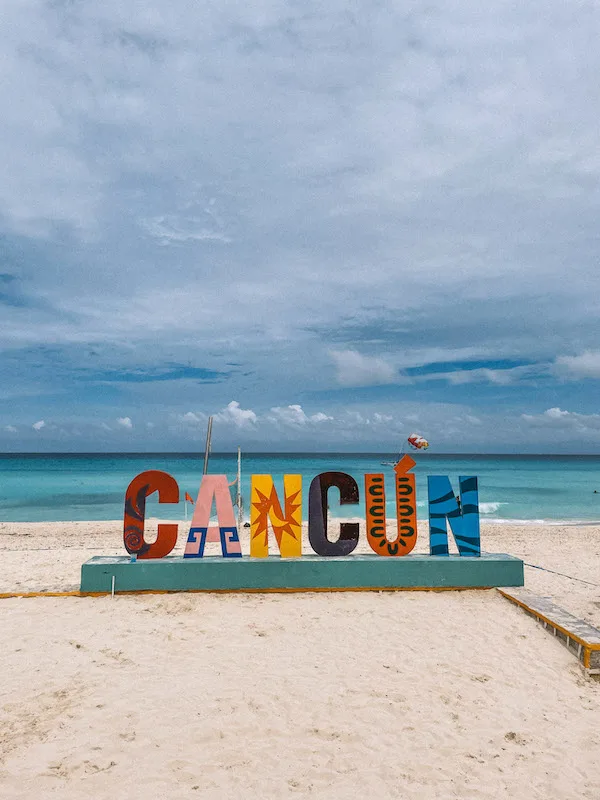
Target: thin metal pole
239, 488
207, 449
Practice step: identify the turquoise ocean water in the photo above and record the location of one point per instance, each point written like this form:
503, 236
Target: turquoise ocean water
36, 488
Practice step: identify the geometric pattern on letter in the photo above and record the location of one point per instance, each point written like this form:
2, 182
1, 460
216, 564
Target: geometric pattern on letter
213, 488
406, 512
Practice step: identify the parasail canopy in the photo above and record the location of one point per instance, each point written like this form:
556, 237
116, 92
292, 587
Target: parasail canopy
417, 442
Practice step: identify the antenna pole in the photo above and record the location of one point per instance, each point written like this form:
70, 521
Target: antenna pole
239, 488
207, 448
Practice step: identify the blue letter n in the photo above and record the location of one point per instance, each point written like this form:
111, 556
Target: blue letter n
463, 518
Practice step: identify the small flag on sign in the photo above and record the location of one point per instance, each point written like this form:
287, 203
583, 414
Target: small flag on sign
188, 498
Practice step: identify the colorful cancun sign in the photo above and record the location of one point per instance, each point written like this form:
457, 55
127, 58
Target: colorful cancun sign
285, 518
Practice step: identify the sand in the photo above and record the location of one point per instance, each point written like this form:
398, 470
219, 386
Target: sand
387, 695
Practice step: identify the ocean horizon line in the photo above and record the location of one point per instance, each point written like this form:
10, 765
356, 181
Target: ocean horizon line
290, 453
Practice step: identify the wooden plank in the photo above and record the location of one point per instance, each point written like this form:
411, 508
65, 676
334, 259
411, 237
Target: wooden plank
581, 638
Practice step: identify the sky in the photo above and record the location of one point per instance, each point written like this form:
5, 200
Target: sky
326, 225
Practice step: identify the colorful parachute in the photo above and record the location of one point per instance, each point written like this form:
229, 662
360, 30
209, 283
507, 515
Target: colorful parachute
418, 442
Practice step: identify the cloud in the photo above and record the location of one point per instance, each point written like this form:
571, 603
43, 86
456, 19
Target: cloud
37, 426
295, 415
172, 230
233, 413
354, 369
372, 427
498, 377
586, 365
320, 417
10, 429
193, 418
125, 422
319, 181
556, 413
382, 419
567, 420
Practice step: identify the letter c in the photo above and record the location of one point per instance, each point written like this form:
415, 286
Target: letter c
140, 487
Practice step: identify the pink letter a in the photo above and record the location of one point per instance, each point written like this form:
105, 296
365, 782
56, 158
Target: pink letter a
213, 487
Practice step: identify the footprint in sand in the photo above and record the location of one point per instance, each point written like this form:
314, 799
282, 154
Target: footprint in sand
511, 736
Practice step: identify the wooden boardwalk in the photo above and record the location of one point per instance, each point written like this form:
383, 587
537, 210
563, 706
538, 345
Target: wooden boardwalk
582, 639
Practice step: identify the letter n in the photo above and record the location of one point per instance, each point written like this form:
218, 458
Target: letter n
464, 520
265, 507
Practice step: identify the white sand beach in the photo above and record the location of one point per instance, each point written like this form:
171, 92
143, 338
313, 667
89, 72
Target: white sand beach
387, 695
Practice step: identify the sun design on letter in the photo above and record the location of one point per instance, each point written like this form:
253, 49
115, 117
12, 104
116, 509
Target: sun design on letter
281, 523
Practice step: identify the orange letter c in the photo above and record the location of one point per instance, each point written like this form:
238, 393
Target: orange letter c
140, 487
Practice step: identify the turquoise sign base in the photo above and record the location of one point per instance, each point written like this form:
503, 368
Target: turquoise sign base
309, 573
